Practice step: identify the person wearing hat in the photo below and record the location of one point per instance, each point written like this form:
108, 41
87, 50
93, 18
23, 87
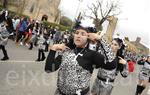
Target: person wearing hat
113, 64
144, 76
75, 65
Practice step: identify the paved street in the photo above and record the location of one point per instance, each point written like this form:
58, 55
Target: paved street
21, 75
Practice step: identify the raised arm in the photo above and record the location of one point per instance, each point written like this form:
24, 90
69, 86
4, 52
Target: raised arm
123, 67
103, 45
52, 63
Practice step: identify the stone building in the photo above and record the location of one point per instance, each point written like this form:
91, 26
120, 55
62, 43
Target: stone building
142, 49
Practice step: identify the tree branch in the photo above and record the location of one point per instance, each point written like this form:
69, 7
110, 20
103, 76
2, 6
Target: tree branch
101, 11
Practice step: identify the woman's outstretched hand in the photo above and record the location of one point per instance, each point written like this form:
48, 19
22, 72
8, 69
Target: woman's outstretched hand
121, 60
59, 47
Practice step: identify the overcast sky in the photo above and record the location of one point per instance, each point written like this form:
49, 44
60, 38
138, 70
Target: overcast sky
132, 22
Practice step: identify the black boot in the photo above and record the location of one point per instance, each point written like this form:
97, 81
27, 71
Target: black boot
43, 55
139, 89
39, 55
5, 58
5, 53
46, 47
31, 46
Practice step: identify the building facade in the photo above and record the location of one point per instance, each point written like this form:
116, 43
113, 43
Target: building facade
142, 48
37, 8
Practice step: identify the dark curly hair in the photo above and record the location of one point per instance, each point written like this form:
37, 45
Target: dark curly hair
120, 52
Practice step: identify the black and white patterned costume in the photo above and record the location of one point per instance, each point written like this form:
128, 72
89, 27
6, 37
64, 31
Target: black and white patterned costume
3, 40
40, 42
145, 71
103, 84
75, 69
144, 76
41, 46
3, 34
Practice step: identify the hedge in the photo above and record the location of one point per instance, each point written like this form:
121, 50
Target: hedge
60, 27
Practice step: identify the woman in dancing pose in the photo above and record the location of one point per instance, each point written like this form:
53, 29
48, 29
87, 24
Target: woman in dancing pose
75, 65
114, 63
144, 75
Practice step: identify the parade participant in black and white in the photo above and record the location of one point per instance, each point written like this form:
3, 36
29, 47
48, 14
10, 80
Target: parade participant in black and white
3, 15
41, 48
144, 75
46, 35
75, 65
114, 63
65, 37
35, 33
3, 40
57, 37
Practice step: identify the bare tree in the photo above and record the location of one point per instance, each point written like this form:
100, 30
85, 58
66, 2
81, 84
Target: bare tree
94, 9
102, 10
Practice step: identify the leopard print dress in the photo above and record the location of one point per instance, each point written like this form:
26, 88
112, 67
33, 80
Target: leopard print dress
71, 76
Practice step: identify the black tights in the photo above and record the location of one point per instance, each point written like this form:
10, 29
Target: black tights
4, 51
41, 55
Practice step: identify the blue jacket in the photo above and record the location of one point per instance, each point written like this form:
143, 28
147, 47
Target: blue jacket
23, 26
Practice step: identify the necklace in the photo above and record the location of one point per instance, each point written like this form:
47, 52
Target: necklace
80, 53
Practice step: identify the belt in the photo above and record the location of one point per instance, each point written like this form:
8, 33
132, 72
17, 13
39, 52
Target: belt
83, 92
144, 73
105, 80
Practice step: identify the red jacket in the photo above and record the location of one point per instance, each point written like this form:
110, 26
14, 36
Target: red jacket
131, 66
